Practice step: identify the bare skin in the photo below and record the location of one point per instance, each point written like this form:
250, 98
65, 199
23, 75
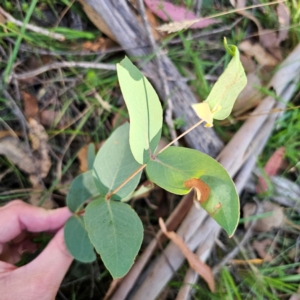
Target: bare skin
41, 278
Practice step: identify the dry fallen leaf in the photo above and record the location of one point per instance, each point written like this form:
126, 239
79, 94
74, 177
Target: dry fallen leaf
17, 152
100, 44
49, 118
269, 40
259, 53
2, 19
4, 133
271, 169
166, 10
83, 158
30, 105
284, 21
39, 139
261, 247
238, 3
195, 263
248, 63
266, 223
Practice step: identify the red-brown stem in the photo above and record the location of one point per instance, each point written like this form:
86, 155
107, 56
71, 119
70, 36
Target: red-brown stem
126, 181
180, 136
144, 165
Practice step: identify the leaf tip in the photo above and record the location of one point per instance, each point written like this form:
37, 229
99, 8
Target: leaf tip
231, 233
229, 48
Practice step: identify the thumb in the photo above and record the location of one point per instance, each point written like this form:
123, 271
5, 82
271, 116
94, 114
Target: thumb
50, 267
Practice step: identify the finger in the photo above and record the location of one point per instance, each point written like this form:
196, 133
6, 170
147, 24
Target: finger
18, 216
50, 267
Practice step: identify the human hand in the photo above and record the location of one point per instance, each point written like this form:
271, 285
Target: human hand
41, 278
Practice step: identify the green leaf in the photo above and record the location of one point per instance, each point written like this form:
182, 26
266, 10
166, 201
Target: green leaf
116, 232
141, 192
82, 189
77, 240
144, 109
226, 90
114, 163
171, 168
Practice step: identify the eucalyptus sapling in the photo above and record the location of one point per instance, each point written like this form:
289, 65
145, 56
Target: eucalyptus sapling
110, 225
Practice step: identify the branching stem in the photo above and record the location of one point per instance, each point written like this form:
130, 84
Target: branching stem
108, 196
126, 181
180, 136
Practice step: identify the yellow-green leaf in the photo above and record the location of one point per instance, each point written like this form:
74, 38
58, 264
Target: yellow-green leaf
204, 113
226, 90
144, 109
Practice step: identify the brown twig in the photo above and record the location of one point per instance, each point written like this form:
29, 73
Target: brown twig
64, 64
180, 136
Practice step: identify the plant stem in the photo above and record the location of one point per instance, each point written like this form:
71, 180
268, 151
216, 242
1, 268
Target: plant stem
180, 136
127, 180
144, 165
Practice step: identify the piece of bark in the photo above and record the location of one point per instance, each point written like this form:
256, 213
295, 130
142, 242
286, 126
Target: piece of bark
285, 192
129, 33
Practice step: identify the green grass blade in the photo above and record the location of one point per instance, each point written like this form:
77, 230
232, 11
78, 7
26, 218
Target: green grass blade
13, 56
